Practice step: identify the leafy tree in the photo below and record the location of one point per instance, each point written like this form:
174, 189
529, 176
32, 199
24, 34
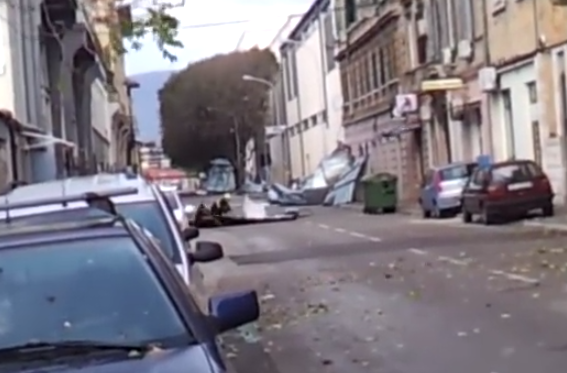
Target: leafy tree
157, 22
207, 110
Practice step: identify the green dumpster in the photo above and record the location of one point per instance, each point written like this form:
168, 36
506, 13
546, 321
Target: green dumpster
380, 193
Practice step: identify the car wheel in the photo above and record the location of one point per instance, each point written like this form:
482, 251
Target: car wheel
487, 218
426, 214
548, 210
467, 217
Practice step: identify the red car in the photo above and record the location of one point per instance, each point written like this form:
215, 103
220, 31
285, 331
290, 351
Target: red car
507, 189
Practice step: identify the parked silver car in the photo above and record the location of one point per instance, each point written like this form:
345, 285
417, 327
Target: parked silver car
442, 189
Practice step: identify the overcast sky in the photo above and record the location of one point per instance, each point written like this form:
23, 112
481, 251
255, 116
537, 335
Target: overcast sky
265, 18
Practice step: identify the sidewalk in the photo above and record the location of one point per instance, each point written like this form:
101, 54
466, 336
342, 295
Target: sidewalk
412, 210
555, 223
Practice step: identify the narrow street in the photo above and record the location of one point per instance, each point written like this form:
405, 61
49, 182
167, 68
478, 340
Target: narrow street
342, 291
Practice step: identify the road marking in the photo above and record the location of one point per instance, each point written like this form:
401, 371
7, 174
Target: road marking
356, 234
515, 277
454, 261
418, 251
351, 233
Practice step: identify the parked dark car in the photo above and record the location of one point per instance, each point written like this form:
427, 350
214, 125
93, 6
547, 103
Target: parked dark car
507, 189
110, 298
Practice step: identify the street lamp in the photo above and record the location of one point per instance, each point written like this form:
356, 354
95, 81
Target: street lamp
276, 105
251, 78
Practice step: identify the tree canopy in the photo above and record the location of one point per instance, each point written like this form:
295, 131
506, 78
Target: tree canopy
207, 110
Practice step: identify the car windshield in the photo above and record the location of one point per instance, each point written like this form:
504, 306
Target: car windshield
147, 214
456, 172
84, 290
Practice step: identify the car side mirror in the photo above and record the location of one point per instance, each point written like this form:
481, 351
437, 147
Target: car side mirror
190, 233
206, 251
230, 311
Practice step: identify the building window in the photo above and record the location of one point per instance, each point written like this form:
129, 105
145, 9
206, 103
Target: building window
374, 68
294, 79
536, 135
509, 122
562, 81
350, 12
345, 87
365, 72
381, 67
287, 79
422, 49
532, 92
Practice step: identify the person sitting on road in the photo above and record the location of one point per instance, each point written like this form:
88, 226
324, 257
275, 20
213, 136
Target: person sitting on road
205, 217
224, 206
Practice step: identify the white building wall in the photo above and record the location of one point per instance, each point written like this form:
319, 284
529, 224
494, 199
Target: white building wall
335, 131
514, 138
19, 71
100, 110
309, 73
9, 74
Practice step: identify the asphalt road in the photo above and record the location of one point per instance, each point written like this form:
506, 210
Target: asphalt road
342, 291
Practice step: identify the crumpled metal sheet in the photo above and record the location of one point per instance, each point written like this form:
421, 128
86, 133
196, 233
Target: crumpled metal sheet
329, 170
344, 189
334, 182
281, 195
221, 177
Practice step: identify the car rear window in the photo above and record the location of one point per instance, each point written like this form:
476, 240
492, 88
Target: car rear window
457, 172
514, 172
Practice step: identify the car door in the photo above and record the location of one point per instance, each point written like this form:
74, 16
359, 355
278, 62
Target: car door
474, 190
184, 267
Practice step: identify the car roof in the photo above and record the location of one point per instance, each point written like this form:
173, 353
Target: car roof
511, 162
25, 233
77, 185
453, 164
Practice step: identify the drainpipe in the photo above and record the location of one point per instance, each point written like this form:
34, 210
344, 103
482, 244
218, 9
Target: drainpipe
323, 49
300, 124
487, 62
13, 153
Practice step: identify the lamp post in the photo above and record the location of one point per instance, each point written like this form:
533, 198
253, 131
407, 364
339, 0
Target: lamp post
131, 141
278, 112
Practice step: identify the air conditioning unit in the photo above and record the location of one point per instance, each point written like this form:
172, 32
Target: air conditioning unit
488, 79
447, 55
464, 49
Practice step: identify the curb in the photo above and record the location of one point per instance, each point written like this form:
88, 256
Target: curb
548, 227
402, 211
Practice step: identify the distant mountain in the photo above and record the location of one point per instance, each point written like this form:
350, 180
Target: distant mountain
146, 103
